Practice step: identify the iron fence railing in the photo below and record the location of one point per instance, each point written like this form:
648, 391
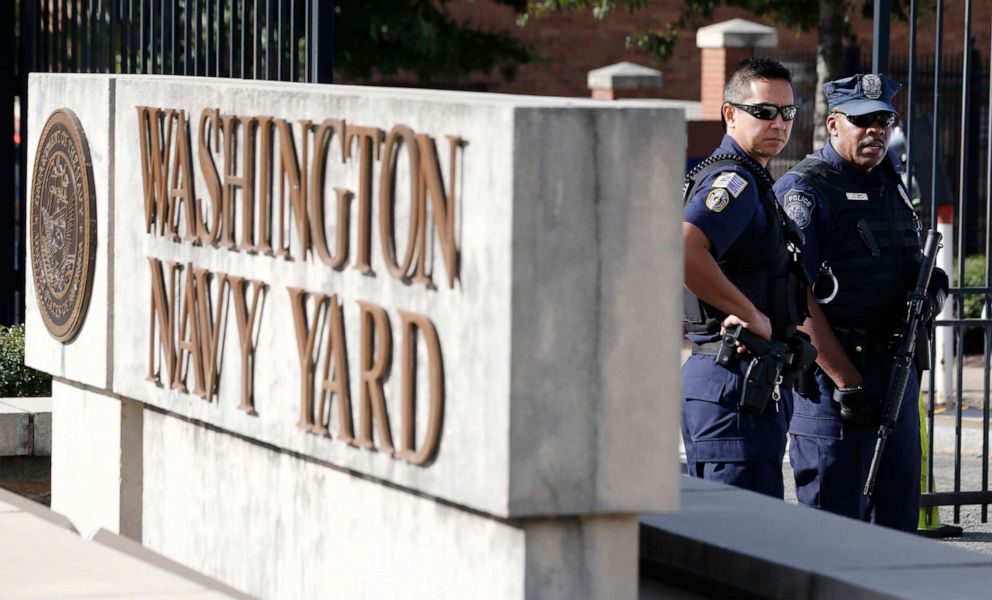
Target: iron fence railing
280, 40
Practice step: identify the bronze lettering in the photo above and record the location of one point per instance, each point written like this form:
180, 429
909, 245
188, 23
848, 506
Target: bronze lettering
374, 368
369, 145
189, 337
188, 317
294, 172
246, 326
442, 208
182, 197
264, 243
155, 166
409, 324
306, 337
245, 182
401, 136
163, 311
335, 383
318, 232
209, 234
209, 328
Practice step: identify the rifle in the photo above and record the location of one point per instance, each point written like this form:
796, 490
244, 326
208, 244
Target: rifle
905, 349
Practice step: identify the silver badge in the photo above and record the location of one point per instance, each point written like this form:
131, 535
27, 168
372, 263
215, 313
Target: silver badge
799, 207
871, 85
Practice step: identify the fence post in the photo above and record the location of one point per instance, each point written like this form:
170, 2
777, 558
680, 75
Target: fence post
8, 218
321, 47
880, 37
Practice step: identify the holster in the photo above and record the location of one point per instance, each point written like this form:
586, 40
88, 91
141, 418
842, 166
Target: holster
806, 383
802, 360
767, 368
759, 382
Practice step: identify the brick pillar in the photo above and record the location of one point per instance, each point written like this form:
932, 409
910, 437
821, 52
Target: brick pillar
624, 80
723, 46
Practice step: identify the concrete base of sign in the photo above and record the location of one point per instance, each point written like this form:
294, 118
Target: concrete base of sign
96, 460
227, 506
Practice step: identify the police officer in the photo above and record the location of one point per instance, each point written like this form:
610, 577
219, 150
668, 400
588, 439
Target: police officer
863, 250
740, 268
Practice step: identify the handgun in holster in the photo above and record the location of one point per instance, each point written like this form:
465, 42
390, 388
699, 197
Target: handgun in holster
762, 372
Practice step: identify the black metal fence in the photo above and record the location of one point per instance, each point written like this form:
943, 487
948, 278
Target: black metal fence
952, 143
952, 90
280, 40
947, 114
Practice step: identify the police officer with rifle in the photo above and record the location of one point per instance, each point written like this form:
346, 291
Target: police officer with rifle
743, 277
863, 251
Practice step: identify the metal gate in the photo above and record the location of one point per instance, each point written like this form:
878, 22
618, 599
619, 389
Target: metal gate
284, 40
955, 186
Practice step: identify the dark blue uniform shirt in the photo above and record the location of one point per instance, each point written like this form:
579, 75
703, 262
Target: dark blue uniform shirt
725, 205
742, 218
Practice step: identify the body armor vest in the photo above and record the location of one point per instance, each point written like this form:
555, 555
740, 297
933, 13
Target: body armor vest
767, 271
877, 254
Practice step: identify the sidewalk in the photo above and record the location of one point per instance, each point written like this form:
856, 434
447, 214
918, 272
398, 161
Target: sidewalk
973, 392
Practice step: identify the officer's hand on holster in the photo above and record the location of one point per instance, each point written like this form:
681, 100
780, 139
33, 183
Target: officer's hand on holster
857, 407
936, 293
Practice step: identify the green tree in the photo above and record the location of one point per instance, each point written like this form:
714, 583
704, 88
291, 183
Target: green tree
17, 380
386, 37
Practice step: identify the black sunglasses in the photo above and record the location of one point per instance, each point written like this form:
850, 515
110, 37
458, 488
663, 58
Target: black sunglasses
883, 117
768, 112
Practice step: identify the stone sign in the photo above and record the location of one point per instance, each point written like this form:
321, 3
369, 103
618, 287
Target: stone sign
343, 326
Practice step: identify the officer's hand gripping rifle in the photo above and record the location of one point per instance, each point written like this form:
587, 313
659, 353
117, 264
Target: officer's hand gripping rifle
905, 349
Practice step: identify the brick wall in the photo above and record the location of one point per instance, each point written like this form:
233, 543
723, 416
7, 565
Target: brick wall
570, 45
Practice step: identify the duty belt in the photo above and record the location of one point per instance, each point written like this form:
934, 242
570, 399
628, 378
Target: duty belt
707, 348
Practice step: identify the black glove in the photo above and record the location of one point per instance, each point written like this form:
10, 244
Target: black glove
856, 406
937, 293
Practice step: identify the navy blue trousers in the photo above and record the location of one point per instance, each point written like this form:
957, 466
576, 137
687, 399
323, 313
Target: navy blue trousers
830, 459
723, 443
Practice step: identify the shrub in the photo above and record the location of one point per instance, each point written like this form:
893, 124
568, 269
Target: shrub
16, 379
974, 276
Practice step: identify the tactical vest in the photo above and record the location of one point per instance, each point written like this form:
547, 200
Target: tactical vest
767, 271
877, 254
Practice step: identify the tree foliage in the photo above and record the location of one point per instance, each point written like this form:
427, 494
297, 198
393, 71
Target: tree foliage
17, 380
386, 37
801, 15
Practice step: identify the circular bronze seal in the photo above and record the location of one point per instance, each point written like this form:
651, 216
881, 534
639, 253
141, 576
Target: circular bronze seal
63, 225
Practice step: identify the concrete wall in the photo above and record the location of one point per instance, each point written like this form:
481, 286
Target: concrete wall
556, 337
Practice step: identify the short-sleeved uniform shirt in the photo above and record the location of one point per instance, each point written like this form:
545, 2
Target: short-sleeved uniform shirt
725, 205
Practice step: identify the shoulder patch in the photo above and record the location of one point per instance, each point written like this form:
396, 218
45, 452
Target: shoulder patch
799, 206
733, 182
717, 200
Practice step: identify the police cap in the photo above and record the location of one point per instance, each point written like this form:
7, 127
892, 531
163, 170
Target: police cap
861, 94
